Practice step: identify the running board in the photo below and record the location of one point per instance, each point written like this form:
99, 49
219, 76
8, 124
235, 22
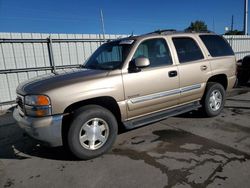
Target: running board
138, 122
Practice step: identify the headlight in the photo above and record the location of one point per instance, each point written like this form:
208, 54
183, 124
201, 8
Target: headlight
37, 100
37, 105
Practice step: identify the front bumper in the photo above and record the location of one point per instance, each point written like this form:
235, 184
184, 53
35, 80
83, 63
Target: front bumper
46, 129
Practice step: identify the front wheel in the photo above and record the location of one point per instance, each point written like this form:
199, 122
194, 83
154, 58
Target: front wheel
92, 132
213, 100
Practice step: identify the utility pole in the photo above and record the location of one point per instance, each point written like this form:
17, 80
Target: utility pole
213, 25
232, 23
246, 17
102, 24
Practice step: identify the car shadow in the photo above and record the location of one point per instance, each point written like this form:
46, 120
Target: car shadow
16, 144
25, 148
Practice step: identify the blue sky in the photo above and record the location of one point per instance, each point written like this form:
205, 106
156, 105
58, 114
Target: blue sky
120, 17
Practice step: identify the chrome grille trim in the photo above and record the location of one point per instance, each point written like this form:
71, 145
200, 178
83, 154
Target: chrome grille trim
20, 104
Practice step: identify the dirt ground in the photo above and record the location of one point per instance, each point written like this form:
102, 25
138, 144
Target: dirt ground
183, 151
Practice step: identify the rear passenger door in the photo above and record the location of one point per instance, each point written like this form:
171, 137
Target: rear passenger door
194, 68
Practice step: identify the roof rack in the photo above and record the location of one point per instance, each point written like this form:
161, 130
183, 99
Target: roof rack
162, 31
169, 31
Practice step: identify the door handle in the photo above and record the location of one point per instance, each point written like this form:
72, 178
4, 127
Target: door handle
203, 67
172, 73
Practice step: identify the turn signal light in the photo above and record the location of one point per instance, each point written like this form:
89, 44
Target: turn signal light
42, 100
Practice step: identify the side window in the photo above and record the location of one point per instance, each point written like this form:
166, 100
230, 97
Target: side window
216, 45
156, 50
187, 49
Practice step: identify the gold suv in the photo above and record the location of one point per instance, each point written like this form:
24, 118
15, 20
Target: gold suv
127, 82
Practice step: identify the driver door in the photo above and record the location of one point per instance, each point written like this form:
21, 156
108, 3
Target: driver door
155, 87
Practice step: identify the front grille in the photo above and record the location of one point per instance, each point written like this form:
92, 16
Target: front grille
20, 103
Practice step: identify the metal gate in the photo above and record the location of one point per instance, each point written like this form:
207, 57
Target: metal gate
27, 55
23, 56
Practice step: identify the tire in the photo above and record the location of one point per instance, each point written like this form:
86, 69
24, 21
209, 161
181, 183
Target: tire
92, 132
244, 76
213, 100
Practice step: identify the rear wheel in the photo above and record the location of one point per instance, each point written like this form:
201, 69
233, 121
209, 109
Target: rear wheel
213, 100
92, 132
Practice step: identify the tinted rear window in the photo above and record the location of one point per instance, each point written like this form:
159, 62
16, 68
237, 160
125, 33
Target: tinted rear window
187, 49
217, 45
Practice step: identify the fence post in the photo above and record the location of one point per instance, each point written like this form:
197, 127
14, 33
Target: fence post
51, 56
232, 39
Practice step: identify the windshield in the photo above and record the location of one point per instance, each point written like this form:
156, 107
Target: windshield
109, 56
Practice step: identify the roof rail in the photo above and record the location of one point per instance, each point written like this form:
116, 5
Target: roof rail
162, 31
169, 31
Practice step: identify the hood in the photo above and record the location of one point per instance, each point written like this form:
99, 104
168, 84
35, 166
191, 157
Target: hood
41, 84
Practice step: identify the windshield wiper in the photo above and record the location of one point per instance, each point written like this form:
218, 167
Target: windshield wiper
92, 67
89, 67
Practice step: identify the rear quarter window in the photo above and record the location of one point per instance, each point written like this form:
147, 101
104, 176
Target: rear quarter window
217, 45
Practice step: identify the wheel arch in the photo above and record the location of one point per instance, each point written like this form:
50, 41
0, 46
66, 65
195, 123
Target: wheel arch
105, 101
219, 78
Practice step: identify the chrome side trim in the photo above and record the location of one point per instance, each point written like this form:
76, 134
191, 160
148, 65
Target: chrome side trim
189, 88
155, 96
165, 93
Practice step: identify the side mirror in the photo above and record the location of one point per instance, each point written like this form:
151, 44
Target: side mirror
142, 62
138, 63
